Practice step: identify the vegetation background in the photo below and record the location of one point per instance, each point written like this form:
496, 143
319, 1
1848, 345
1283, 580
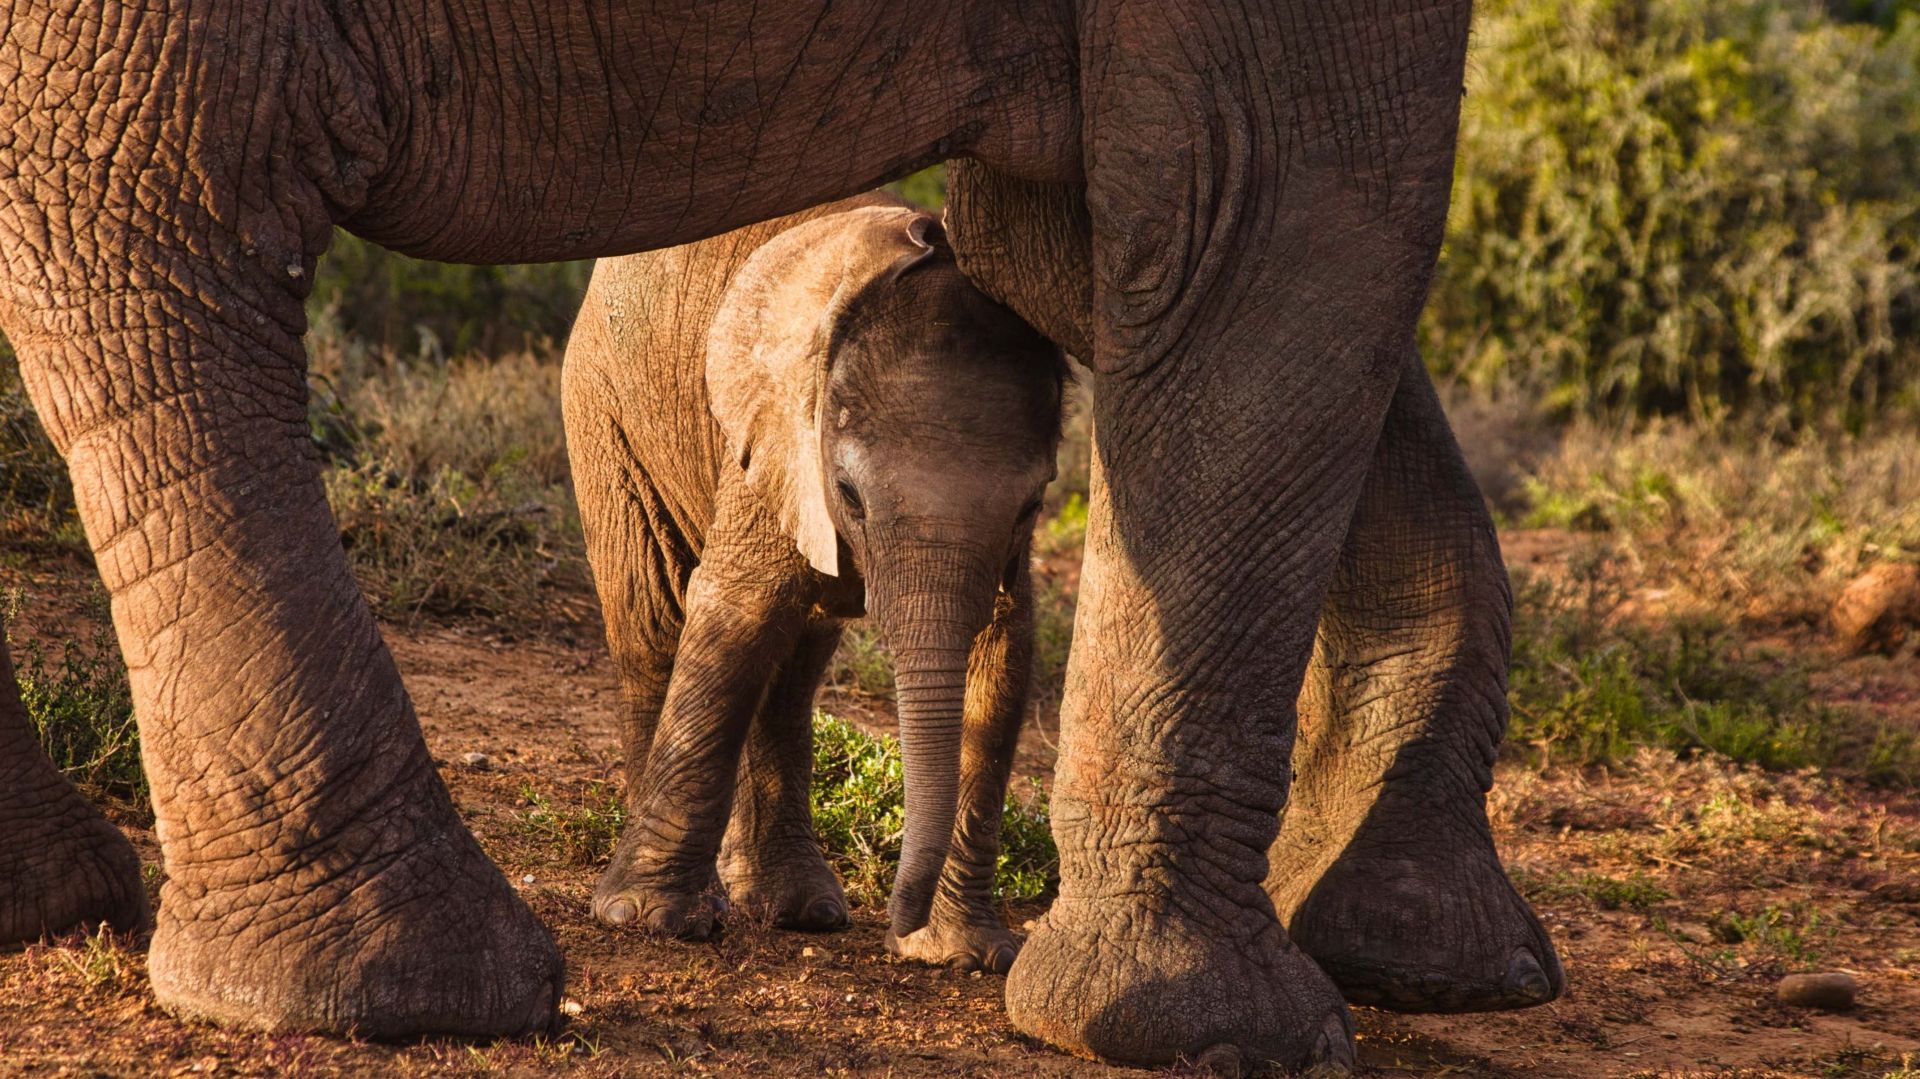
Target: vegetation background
1677, 324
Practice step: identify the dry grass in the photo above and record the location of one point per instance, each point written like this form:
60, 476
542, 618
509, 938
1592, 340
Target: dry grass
448, 478
1753, 528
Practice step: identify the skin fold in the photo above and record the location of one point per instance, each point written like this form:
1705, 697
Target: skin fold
705, 388
1230, 212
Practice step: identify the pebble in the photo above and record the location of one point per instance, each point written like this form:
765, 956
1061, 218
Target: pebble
478, 762
1831, 992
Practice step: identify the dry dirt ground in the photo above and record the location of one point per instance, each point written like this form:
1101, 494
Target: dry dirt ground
1677, 892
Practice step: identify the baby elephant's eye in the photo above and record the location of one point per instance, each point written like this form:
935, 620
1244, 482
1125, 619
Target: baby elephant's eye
852, 498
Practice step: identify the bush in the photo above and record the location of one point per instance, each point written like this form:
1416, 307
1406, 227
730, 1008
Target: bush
80, 704
1758, 530
398, 304
447, 478
859, 814
1685, 206
33, 478
1588, 687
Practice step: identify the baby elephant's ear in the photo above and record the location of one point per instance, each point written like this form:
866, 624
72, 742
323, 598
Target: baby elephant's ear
768, 353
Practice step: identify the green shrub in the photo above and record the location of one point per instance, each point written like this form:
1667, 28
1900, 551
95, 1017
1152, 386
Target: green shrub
447, 479
33, 478
585, 833
1685, 206
860, 663
1759, 529
79, 702
1589, 687
927, 188
859, 814
399, 304
448, 544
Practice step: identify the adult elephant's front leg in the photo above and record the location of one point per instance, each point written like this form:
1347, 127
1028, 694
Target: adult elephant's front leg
1267, 187
1385, 869
318, 877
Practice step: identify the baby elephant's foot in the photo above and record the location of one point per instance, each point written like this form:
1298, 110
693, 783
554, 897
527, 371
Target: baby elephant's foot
792, 884
976, 941
669, 904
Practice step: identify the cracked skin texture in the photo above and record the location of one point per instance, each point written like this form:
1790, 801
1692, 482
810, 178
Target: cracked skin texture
1229, 211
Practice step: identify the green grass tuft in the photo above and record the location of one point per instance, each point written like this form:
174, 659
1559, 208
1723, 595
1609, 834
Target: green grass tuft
1587, 688
79, 702
585, 833
859, 814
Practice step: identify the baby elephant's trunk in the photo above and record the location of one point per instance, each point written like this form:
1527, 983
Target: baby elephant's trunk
941, 597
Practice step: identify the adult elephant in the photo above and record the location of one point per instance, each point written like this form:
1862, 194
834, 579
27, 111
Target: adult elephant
1259, 191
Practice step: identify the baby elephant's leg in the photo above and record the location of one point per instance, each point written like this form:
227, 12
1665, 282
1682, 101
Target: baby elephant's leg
771, 860
741, 624
965, 930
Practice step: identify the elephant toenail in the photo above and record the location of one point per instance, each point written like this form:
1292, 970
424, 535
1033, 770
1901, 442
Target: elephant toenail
963, 964
1000, 959
826, 914
1333, 1049
1525, 978
1222, 1060
619, 912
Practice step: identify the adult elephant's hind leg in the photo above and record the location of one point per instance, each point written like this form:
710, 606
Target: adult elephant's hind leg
62, 865
1267, 189
1385, 869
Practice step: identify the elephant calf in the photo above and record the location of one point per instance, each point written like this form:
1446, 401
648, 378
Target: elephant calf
773, 431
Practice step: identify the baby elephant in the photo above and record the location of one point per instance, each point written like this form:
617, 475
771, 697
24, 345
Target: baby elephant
772, 431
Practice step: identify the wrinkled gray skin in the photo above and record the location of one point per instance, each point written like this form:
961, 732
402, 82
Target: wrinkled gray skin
937, 433
1230, 211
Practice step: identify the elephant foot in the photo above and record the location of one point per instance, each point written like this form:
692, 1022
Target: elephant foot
792, 883
665, 904
1427, 931
962, 940
63, 867
1121, 982
337, 939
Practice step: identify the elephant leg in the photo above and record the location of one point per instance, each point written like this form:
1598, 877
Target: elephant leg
62, 864
743, 622
1385, 869
965, 930
771, 858
318, 877
1267, 190
640, 556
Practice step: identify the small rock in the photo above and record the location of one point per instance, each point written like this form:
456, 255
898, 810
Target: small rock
808, 952
528, 879
1830, 992
1879, 609
571, 1007
477, 762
